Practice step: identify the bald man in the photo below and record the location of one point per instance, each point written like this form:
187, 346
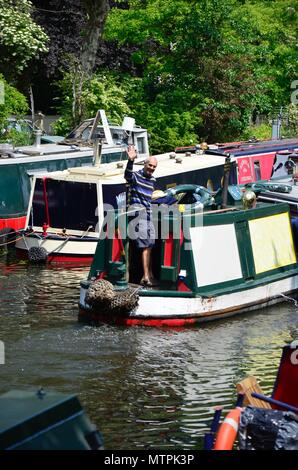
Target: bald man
141, 186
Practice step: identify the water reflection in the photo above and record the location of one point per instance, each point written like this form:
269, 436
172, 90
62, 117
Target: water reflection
144, 388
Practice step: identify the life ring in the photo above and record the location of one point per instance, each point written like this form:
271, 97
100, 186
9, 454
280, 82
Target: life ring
205, 195
228, 430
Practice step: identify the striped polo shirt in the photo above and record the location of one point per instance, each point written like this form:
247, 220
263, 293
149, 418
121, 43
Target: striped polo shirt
141, 187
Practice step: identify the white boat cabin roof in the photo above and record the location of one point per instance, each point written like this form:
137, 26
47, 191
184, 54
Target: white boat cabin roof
111, 173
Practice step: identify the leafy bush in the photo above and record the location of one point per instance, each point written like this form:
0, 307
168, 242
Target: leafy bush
13, 102
102, 91
290, 126
21, 38
16, 138
260, 132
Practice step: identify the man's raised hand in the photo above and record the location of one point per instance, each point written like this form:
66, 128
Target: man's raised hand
131, 152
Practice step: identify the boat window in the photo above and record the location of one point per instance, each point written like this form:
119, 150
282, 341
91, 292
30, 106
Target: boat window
118, 137
141, 144
70, 205
99, 133
272, 242
86, 133
257, 170
78, 132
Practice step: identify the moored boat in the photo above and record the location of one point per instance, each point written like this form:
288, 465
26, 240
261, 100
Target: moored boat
18, 166
256, 160
209, 265
66, 209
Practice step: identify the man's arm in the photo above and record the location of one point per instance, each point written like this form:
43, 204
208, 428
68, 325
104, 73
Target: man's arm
132, 155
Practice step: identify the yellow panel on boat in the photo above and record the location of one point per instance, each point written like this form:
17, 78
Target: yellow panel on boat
272, 242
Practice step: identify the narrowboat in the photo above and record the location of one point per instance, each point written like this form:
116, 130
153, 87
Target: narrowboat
18, 166
66, 209
209, 264
256, 160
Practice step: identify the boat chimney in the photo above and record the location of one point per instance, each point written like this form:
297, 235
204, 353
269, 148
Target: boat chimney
97, 148
38, 134
227, 168
276, 126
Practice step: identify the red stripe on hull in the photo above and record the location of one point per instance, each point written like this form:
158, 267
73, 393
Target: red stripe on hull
15, 223
71, 259
124, 321
82, 260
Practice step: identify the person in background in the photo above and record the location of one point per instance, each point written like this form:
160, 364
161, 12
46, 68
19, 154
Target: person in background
141, 186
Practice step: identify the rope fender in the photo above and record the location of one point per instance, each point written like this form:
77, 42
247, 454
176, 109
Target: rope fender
37, 254
104, 299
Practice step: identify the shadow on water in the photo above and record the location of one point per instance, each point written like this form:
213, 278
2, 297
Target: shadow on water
145, 388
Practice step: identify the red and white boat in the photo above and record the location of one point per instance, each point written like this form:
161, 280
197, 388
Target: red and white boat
256, 160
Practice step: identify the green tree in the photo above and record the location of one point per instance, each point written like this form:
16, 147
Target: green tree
199, 69
192, 67
21, 39
11, 102
268, 30
101, 91
211, 63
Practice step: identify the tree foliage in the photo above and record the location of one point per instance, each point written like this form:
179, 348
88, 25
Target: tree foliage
187, 70
62, 20
100, 91
207, 66
21, 38
12, 102
190, 68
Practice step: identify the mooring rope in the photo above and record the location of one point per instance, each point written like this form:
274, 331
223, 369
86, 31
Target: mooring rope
12, 241
288, 298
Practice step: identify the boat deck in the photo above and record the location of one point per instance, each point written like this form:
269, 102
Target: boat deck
291, 198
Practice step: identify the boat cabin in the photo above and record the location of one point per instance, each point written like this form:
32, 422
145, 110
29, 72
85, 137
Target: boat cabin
259, 160
19, 165
66, 209
256, 160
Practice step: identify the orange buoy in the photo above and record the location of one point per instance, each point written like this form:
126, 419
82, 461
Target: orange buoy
228, 430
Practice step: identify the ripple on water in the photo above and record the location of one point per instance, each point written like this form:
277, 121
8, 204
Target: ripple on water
144, 388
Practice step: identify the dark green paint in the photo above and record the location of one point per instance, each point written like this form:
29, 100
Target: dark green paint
183, 258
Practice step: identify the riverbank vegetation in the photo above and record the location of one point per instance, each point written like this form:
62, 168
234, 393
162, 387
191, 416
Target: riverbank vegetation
188, 70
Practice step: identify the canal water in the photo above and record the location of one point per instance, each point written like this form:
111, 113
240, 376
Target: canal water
144, 388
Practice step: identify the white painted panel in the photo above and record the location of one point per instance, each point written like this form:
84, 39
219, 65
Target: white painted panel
215, 253
165, 307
